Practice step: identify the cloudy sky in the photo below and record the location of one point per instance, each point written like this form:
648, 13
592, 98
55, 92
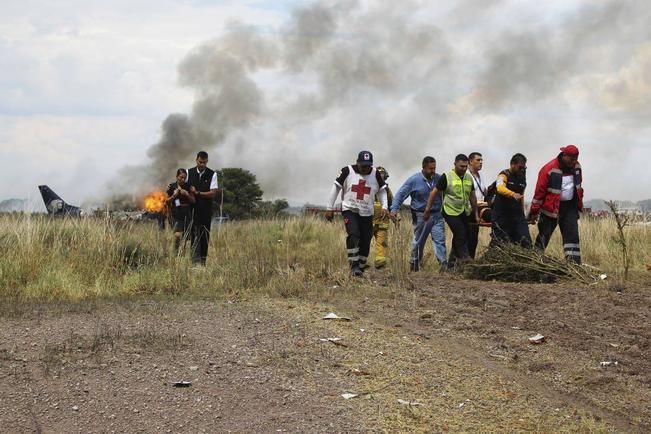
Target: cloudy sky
97, 97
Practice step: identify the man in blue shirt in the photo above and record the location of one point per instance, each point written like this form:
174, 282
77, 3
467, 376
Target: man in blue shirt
418, 187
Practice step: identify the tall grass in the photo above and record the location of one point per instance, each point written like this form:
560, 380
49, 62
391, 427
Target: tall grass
45, 259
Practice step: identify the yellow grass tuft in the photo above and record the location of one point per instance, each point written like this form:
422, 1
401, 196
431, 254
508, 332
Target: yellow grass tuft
48, 259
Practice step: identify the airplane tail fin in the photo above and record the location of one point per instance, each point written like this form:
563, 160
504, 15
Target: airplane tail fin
53, 202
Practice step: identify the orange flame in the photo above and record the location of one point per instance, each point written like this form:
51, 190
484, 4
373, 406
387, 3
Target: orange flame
155, 201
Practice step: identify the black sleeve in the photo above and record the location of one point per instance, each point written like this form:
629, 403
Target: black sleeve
170, 190
342, 176
442, 183
379, 179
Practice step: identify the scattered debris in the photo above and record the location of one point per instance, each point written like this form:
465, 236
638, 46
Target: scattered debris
182, 384
194, 368
409, 403
603, 276
358, 372
538, 339
362, 330
614, 345
463, 404
334, 316
75, 408
349, 395
516, 328
608, 363
336, 341
335, 286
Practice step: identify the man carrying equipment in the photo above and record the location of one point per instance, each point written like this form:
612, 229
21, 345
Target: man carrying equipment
459, 203
509, 223
559, 199
475, 164
418, 187
381, 223
358, 184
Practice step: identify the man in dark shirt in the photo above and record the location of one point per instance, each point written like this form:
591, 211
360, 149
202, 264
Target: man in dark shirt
203, 182
459, 203
509, 222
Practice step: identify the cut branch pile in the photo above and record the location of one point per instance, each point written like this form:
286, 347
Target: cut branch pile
512, 263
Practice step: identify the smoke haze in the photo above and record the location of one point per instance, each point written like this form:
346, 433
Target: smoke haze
408, 79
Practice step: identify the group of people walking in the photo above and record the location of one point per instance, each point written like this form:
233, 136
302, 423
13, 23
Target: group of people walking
190, 199
460, 198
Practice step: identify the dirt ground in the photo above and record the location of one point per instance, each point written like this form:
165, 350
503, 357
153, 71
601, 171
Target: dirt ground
449, 355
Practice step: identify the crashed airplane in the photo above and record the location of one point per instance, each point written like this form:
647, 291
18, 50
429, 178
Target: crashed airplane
56, 206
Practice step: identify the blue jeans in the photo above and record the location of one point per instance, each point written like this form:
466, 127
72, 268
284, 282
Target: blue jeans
435, 227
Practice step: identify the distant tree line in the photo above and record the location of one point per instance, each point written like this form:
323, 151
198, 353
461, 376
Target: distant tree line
242, 196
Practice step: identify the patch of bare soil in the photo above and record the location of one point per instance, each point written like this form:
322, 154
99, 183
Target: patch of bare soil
448, 356
596, 355
114, 370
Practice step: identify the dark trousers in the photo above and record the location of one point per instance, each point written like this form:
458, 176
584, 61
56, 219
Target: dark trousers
200, 237
358, 241
510, 225
459, 227
568, 221
473, 236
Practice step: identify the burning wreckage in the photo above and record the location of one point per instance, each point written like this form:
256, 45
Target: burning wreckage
154, 208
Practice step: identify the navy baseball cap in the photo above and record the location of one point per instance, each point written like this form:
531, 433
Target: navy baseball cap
365, 158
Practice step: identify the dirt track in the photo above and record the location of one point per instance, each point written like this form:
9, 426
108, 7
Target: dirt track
458, 348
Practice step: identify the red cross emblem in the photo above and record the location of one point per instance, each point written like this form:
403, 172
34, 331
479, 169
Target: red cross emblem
361, 189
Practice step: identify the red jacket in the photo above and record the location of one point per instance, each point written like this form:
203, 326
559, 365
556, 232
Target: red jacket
547, 198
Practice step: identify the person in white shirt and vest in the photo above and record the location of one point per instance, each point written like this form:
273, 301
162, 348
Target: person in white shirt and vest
475, 164
459, 203
558, 199
359, 184
203, 182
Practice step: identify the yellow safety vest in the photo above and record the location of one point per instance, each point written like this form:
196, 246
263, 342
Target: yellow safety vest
456, 198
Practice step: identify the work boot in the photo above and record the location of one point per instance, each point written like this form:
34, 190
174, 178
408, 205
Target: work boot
357, 272
443, 268
414, 267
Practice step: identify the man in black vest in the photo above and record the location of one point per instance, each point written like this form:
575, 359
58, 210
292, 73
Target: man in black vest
203, 182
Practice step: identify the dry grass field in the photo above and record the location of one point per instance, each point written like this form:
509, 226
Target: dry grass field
99, 320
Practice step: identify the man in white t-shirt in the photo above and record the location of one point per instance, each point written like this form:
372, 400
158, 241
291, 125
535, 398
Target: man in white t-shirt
359, 184
475, 164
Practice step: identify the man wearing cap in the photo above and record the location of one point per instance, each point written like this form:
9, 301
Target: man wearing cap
558, 200
359, 184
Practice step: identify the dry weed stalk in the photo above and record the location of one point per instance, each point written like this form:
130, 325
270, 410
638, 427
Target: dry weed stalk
622, 221
512, 263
